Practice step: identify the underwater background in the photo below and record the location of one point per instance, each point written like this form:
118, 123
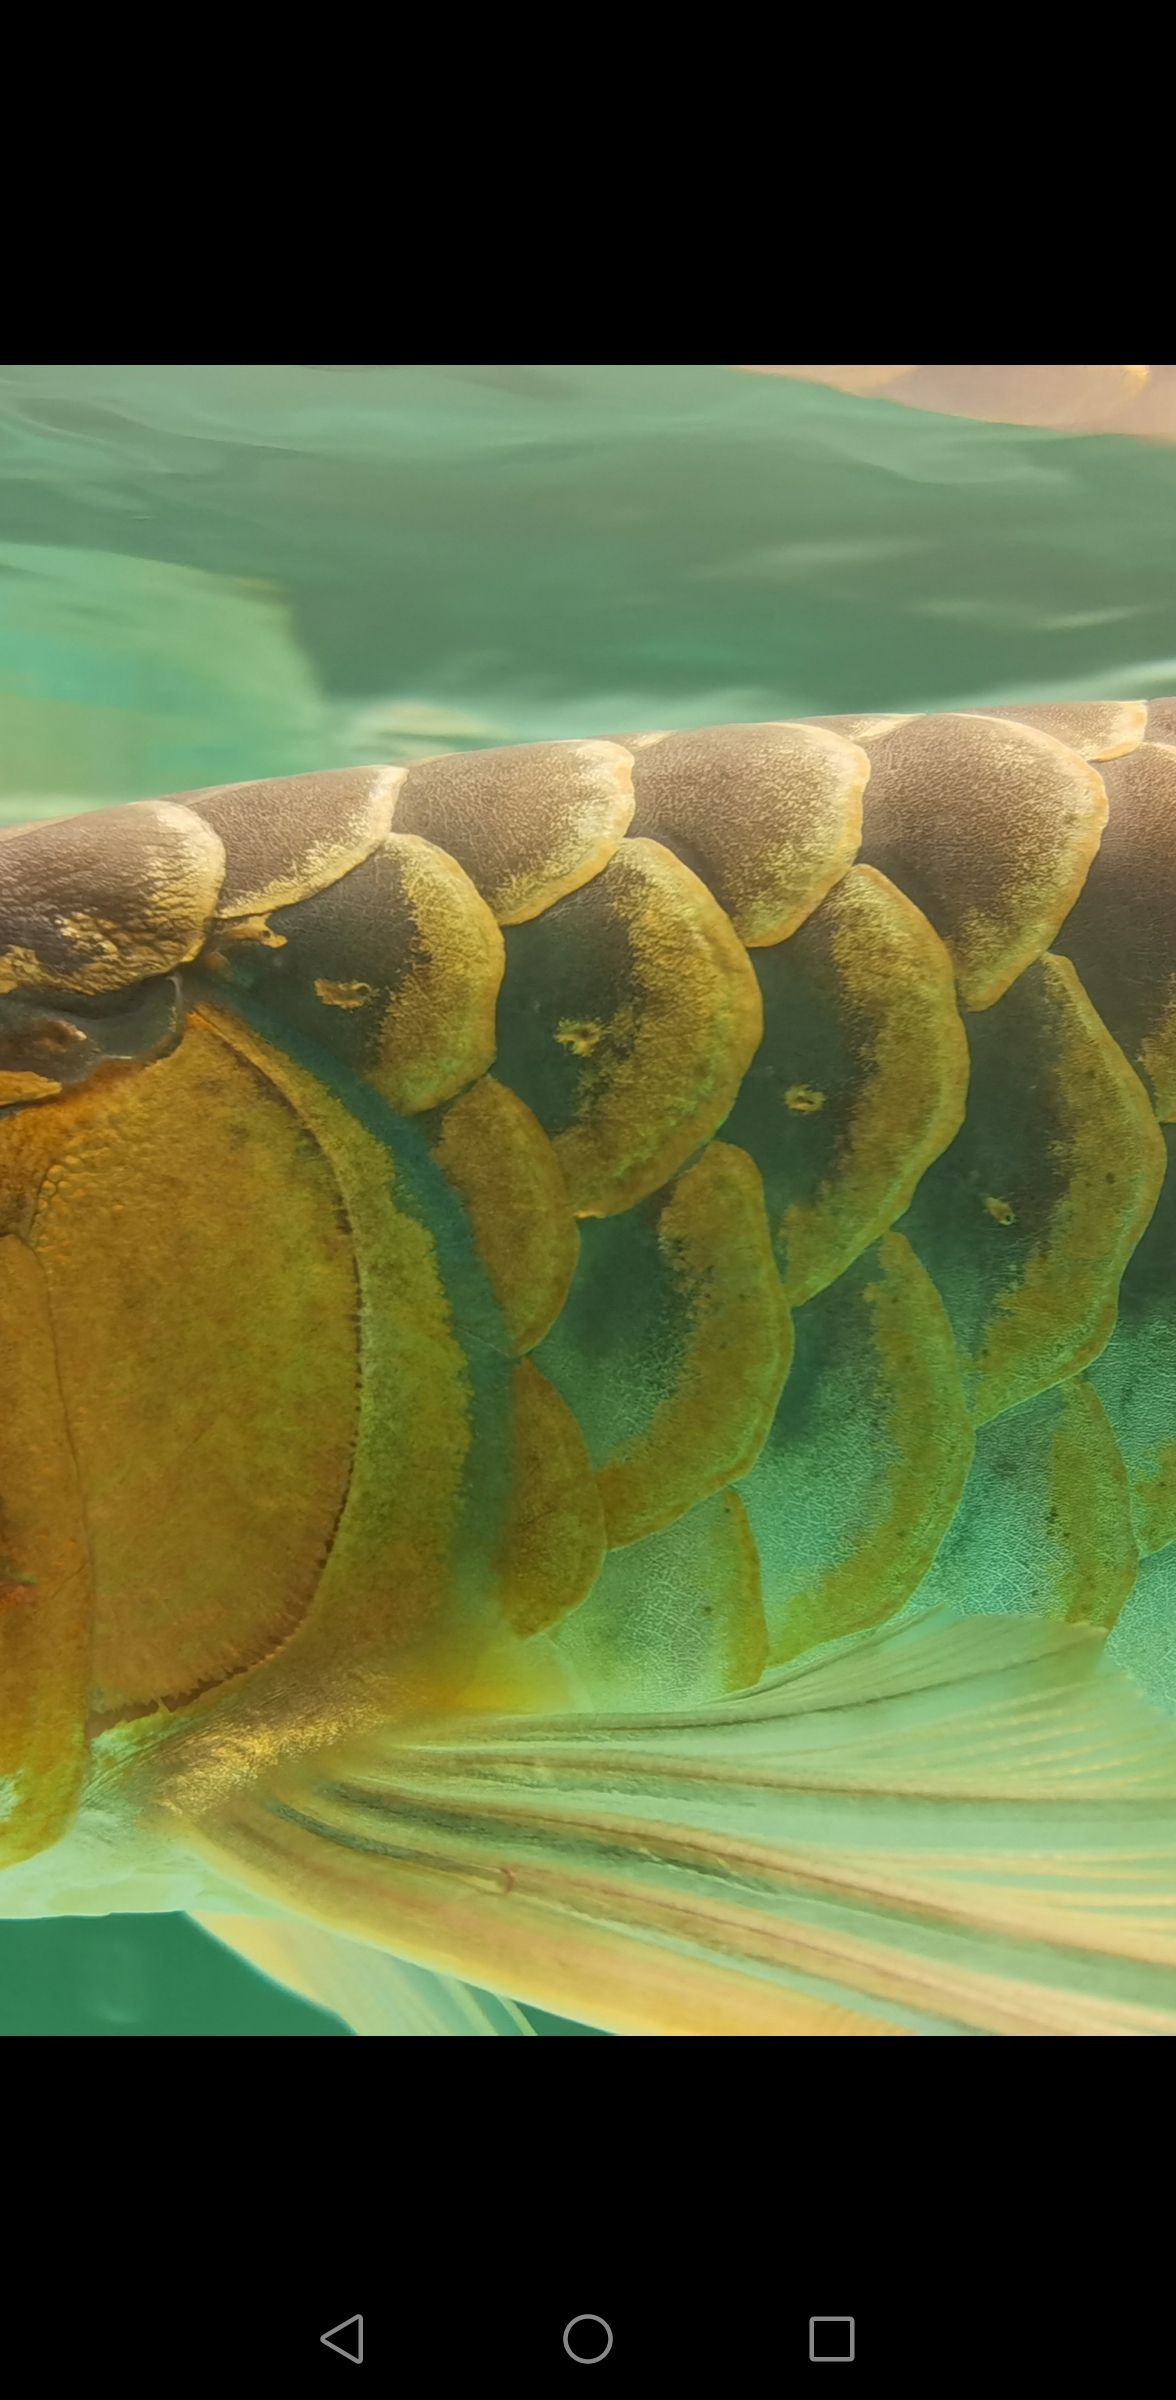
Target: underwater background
213, 573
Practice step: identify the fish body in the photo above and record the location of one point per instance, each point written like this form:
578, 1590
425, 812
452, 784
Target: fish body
590, 1376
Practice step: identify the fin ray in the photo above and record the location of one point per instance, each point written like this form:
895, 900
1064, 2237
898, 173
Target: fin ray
372, 1991
950, 1826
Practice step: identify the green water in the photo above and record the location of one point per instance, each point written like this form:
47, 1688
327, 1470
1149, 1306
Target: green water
214, 573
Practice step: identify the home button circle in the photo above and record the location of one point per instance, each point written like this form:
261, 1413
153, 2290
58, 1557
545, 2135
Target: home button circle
587, 2340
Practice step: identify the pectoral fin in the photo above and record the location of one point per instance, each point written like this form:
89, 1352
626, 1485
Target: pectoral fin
372, 1992
944, 1827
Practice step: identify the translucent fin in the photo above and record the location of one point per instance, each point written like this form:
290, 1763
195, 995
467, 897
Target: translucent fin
372, 1992
948, 1826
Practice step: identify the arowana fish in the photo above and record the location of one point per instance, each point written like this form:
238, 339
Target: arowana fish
590, 1376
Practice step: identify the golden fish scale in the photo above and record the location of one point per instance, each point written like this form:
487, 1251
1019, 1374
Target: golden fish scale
795, 1217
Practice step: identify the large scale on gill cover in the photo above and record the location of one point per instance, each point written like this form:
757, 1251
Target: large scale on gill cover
653, 1206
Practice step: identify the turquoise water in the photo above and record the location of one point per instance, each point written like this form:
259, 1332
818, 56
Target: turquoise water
214, 573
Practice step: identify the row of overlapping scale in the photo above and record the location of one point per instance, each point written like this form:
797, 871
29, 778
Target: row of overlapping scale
802, 1090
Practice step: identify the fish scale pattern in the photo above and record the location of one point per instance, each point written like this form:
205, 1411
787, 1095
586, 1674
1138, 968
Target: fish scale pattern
797, 1094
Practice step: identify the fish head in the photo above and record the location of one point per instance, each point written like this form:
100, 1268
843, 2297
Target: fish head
254, 1449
